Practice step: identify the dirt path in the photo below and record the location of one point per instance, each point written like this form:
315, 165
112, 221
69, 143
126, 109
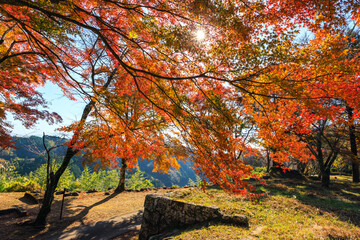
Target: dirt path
103, 230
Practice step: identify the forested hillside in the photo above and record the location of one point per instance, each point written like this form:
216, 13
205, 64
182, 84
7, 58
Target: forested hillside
29, 155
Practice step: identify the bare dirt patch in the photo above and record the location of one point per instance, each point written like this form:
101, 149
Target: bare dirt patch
84, 209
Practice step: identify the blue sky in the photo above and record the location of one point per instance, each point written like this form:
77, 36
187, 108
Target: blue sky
57, 102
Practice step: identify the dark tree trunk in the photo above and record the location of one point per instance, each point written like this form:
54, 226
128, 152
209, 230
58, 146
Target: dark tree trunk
50, 189
121, 187
268, 162
319, 175
325, 178
355, 170
46, 203
353, 147
70, 152
324, 174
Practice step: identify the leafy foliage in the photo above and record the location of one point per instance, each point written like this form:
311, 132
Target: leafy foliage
139, 63
39, 176
138, 181
101, 180
22, 186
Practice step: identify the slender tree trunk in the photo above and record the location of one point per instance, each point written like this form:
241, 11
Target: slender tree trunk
121, 186
325, 178
50, 189
268, 162
324, 174
356, 173
319, 175
70, 152
353, 147
46, 203
54, 178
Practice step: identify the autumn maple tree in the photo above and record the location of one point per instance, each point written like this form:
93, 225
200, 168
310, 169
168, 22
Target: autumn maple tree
151, 54
22, 69
126, 128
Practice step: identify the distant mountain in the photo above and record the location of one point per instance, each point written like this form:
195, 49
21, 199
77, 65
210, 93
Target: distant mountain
30, 154
32, 147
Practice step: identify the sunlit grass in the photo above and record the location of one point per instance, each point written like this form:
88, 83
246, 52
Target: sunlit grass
290, 211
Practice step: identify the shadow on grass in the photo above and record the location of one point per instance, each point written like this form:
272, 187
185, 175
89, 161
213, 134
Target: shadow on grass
340, 199
173, 232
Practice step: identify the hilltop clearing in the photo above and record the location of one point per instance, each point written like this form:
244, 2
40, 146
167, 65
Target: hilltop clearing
291, 209
85, 209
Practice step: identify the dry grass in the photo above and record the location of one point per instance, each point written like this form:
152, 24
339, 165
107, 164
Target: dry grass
132, 235
81, 210
291, 210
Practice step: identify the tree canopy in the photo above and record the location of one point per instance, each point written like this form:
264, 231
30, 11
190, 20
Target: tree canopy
251, 59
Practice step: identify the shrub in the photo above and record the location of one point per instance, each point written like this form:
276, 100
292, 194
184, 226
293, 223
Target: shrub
101, 180
110, 179
191, 183
18, 186
32, 185
75, 185
39, 176
138, 181
259, 169
2, 184
66, 180
88, 180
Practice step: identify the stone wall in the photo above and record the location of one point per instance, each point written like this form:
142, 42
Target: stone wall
163, 214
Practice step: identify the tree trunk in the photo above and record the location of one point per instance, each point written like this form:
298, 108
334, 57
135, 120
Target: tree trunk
319, 175
121, 187
268, 162
50, 189
353, 147
46, 203
325, 178
70, 152
355, 170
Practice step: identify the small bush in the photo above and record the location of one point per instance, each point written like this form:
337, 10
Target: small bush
191, 183
259, 169
32, 185
2, 184
17, 186
138, 181
75, 185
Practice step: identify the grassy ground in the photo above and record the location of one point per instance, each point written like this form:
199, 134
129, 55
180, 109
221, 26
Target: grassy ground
81, 210
290, 210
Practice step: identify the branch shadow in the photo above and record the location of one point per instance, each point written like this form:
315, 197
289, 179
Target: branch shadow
340, 199
102, 229
67, 221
